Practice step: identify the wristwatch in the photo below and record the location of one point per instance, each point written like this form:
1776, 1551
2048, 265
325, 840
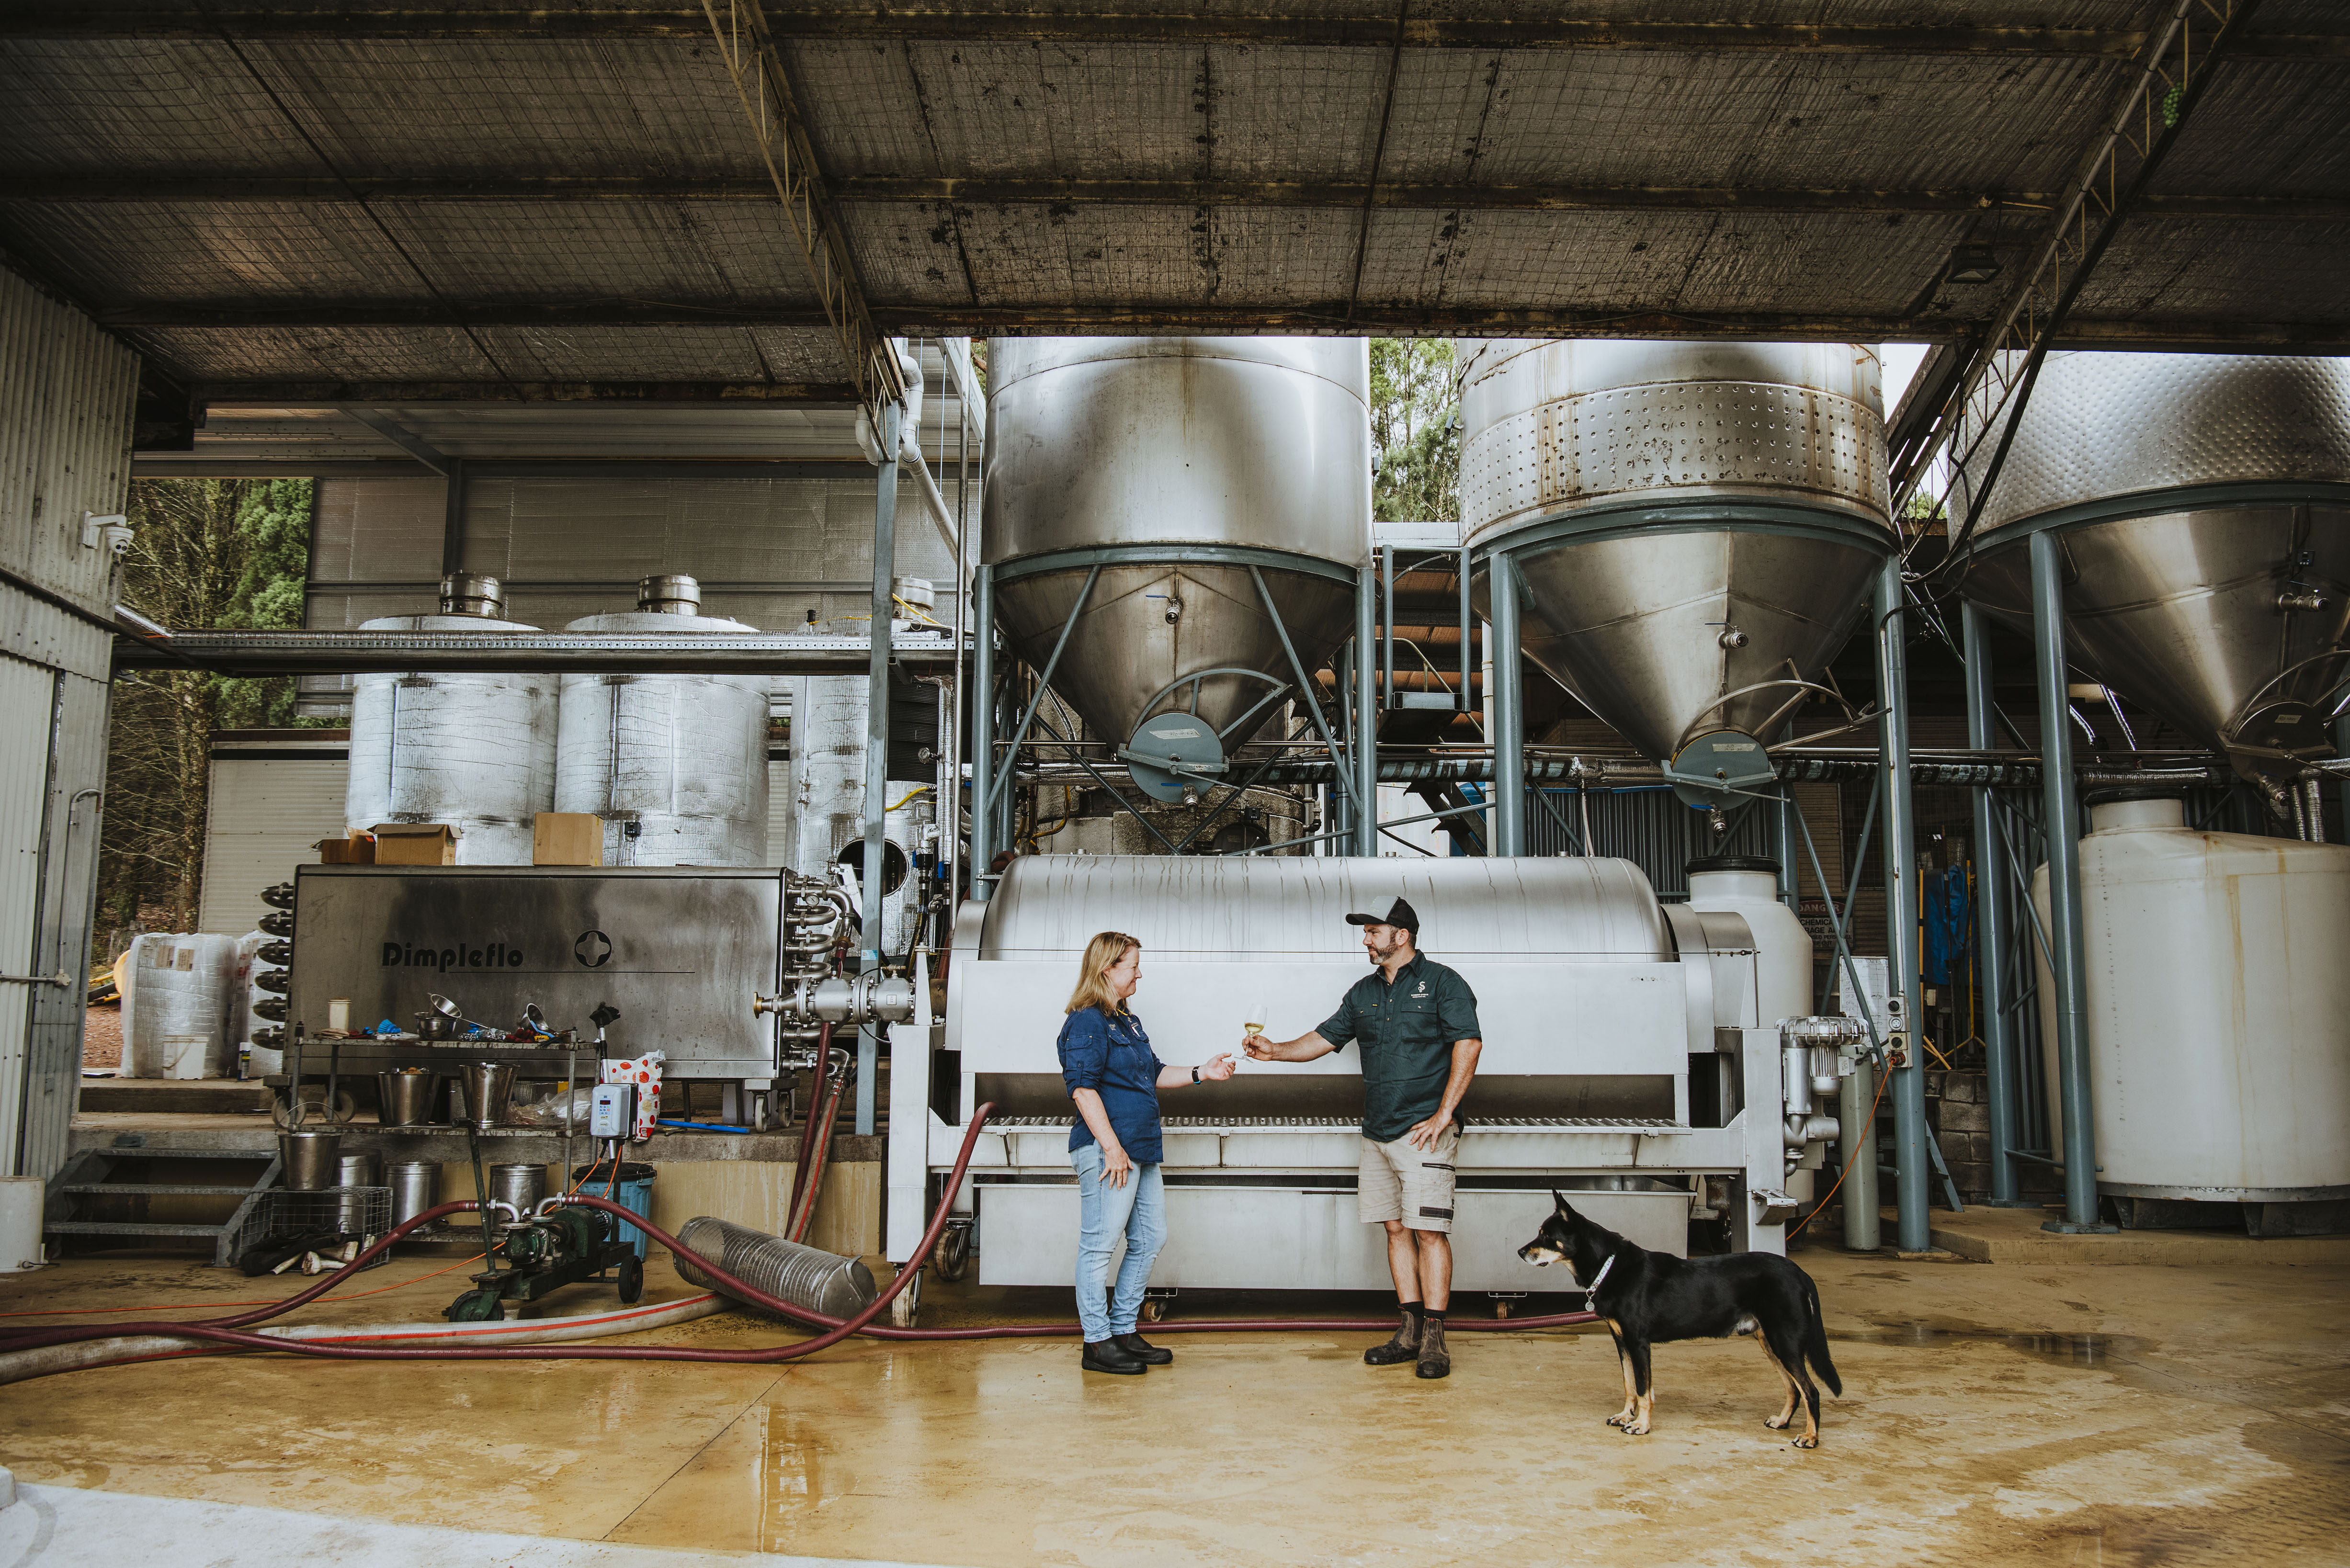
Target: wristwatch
1195, 1074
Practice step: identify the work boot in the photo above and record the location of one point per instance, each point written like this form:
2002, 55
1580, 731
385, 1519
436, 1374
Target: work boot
1143, 1350
1403, 1347
1109, 1356
1435, 1361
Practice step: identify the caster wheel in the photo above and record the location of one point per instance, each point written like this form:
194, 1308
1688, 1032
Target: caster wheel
1154, 1309
477, 1306
1500, 1309
906, 1310
954, 1253
632, 1281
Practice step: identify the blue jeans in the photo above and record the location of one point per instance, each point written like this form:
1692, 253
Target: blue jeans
1138, 1211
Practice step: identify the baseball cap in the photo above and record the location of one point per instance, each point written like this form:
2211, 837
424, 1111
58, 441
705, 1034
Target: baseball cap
1399, 913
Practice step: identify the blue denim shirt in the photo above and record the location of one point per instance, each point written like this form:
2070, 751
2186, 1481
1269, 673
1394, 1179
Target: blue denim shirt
1112, 1057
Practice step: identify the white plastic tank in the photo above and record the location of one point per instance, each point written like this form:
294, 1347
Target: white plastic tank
1748, 884
474, 751
176, 1013
675, 765
2219, 1008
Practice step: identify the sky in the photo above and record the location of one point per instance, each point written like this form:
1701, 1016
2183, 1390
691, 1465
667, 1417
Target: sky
1901, 362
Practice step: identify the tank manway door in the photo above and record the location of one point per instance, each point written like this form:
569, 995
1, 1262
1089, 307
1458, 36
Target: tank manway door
1173, 753
1719, 768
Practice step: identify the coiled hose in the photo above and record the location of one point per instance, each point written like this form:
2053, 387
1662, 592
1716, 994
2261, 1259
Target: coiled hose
230, 1331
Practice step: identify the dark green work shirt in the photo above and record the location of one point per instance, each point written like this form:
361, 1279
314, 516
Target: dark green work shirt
1407, 1030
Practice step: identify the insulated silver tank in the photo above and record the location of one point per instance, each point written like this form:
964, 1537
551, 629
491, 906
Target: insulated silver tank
476, 752
1695, 524
675, 765
828, 797
2201, 502
1177, 465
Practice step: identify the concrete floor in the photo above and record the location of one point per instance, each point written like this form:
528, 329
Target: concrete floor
2059, 1414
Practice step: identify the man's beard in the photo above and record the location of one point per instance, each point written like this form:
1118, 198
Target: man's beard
1382, 955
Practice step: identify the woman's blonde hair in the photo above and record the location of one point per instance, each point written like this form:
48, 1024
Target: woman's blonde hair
1102, 954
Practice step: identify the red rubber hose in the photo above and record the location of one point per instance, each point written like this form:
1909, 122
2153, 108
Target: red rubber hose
227, 1330
816, 1143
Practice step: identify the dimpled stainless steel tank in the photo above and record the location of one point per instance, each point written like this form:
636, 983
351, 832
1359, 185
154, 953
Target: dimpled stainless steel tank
2202, 503
476, 752
1695, 524
1176, 465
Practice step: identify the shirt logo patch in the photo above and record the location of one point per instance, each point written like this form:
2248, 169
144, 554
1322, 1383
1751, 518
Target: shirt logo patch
1421, 992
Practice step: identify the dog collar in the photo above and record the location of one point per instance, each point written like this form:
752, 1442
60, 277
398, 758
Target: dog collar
1598, 1280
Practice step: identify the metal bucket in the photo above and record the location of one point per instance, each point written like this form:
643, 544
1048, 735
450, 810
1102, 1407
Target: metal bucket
520, 1185
415, 1187
310, 1158
486, 1089
355, 1170
404, 1096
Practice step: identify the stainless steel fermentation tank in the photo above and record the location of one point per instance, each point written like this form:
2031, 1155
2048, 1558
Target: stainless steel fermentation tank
1174, 529
1694, 528
675, 765
2176, 526
1598, 1005
476, 752
2199, 508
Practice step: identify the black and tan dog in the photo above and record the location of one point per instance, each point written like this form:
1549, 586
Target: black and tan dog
1649, 1297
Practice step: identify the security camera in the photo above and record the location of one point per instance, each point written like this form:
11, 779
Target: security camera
111, 532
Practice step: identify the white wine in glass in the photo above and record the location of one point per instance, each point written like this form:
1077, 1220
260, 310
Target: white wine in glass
1258, 1015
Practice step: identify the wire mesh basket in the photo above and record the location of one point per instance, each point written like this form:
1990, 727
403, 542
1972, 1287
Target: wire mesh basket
354, 1213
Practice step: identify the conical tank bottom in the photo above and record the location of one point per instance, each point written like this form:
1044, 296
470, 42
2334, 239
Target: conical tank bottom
1665, 636
1147, 626
2225, 622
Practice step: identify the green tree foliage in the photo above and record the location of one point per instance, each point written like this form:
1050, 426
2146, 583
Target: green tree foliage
1415, 427
209, 552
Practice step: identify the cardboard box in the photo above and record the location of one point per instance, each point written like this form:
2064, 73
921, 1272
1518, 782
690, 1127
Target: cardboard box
414, 843
567, 838
359, 849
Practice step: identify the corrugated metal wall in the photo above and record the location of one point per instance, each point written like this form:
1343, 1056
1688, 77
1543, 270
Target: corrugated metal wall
65, 396
264, 818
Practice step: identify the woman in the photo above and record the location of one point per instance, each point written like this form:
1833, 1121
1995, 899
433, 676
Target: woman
1114, 1078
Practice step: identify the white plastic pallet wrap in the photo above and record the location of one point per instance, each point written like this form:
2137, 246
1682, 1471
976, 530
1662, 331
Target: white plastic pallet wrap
178, 1009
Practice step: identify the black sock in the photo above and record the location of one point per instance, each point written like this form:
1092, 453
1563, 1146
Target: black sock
1431, 1314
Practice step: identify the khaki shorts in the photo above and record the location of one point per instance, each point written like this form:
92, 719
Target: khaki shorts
1396, 1181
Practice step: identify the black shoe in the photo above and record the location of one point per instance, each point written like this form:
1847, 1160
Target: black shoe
1109, 1356
1403, 1347
1435, 1361
1143, 1350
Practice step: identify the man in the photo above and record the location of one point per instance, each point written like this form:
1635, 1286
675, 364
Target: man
1417, 1021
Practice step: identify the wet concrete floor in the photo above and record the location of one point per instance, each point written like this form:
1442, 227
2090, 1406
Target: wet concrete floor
1993, 1414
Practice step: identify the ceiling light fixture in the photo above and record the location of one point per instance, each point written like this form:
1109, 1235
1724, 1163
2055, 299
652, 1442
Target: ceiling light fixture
1972, 261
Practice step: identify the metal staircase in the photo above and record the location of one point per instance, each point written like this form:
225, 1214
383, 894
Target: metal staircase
82, 1187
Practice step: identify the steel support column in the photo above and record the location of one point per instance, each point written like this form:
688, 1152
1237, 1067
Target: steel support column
1365, 756
1508, 712
983, 730
1994, 938
2067, 951
1907, 1090
877, 743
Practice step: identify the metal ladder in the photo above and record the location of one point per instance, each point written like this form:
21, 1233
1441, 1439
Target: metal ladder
85, 1178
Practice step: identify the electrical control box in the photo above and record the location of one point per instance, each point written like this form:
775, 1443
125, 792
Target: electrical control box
612, 1111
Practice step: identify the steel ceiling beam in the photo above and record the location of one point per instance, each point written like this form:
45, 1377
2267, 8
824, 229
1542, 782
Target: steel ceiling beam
69, 19
300, 394
936, 320
1988, 397
884, 190
267, 653
763, 85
